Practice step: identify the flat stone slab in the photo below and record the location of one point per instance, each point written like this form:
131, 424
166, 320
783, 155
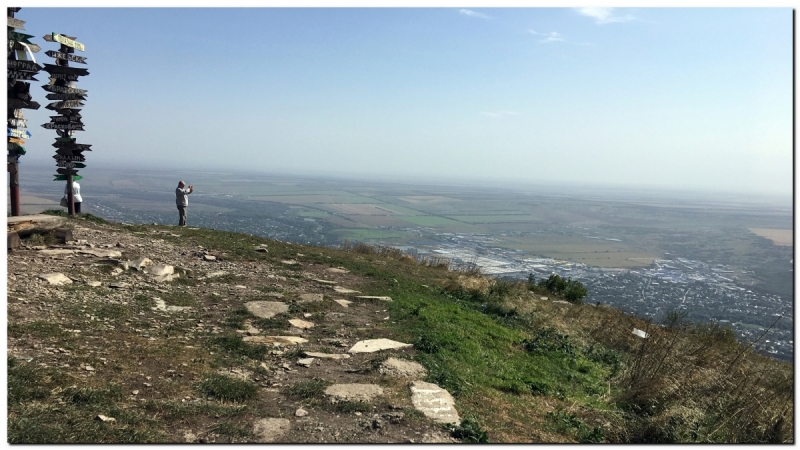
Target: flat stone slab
162, 306
270, 430
436, 403
266, 310
354, 392
288, 261
402, 368
216, 274
166, 277
94, 283
305, 362
326, 355
344, 290
336, 270
275, 340
302, 324
18, 223
310, 297
56, 279
343, 302
382, 298
101, 253
140, 263
374, 345
324, 281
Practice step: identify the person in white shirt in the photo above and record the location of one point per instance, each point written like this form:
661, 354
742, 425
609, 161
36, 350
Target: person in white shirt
76, 195
182, 200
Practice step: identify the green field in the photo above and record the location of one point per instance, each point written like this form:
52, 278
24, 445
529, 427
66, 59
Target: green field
433, 221
367, 234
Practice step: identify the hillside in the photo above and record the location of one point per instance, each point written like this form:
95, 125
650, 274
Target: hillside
186, 335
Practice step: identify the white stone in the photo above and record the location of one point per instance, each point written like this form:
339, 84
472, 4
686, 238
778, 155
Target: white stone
159, 270
277, 340
305, 362
165, 278
336, 270
55, 251
640, 333
344, 290
93, 283
402, 368
162, 305
302, 324
288, 261
354, 392
343, 302
266, 310
382, 298
325, 281
269, 430
55, 279
140, 263
436, 403
301, 412
374, 345
102, 253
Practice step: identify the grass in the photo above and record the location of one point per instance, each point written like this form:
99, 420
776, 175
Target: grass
308, 389
227, 389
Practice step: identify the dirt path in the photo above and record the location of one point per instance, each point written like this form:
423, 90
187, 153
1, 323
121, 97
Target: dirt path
163, 343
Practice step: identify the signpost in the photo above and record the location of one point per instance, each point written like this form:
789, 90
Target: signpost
69, 154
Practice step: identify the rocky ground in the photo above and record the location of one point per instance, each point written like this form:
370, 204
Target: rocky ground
163, 322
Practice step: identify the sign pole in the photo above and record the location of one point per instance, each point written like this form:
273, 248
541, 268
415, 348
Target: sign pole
13, 187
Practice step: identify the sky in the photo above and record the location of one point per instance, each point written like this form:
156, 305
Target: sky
681, 98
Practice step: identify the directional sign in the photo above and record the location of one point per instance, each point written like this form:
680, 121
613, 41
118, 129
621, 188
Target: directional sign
69, 164
52, 68
65, 171
19, 37
79, 158
64, 177
67, 56
65, 97
75, 148
66, 119
14, 149
64, 76
21, 64
17, 104
17, 75
65, 140
67, 152
67, 41
63, 126
19, 123
22, 46
24, 96
65, 104
63, 89
16, 23
18, 114
21, 86
16, 140
64, 133
18, 133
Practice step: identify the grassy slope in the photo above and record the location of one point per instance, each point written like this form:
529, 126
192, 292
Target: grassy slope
524, 369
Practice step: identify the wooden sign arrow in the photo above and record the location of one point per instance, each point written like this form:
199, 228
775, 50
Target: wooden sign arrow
16, 23
19, 123
66, 119
65, 97
32, 47
21, 86
18, 104
18, 114
21, 64
17, 75
65, 104
64, 140
19, 37
64, 89
16, 140
64, 177
74, 158
15, 149
67, 152
24, 96
52, 68
66, 56
64, 76
65, 171
66, 41
69, 164
67, 112
63, 126
18, 133
74, 147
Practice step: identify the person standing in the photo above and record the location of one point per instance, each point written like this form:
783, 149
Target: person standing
76, 195
182, 201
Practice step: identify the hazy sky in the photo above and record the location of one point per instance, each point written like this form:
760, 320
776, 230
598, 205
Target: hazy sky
697, 98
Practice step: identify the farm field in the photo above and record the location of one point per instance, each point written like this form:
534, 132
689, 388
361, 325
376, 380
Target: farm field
778, 237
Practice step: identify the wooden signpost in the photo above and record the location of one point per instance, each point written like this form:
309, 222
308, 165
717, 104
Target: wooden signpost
69, 154
21, 66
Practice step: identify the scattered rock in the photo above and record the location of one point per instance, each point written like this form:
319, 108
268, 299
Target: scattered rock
140, 263
94, 283
216, 274
159, 270
336, 270
166, 278
103, 418
302, 324
343, 290
343, 302
324, 281
89, 368
375, 297
55, 252
162, 305
326, 355
301, 412
268, 430
135, 392
261, 248
310, 297
640, 333
374, 345
436, 403
394, 367
289, 261
56, 279
189, 437
266, 310
543, 298
305, 362
102, 253
209, 258
354, 392
118, 285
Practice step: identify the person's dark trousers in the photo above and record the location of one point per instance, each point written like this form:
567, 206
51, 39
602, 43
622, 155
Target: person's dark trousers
182, 212
77, 207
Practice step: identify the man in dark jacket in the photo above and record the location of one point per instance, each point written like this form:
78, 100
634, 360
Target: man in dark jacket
182, 200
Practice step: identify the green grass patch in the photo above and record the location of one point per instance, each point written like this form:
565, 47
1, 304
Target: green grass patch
308, 389
178, 298
234, 345
229, 389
